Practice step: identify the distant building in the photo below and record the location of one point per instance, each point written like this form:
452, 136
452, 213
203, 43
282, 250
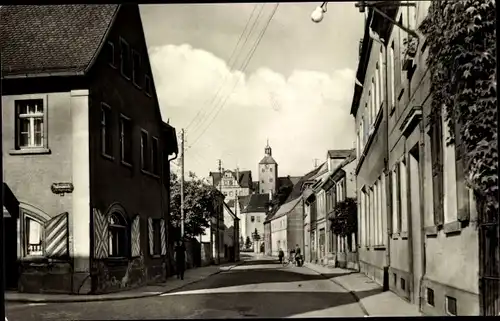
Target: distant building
233, 183
268, 173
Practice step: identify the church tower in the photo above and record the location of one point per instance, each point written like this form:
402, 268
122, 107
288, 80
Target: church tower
268, 172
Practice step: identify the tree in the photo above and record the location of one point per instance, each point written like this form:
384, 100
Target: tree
461, 35
248, 243
345, 219
199, 205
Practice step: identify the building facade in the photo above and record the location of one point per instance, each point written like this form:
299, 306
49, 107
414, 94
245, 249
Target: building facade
268, 173
87, 124
233, 183
231, 235
418, 221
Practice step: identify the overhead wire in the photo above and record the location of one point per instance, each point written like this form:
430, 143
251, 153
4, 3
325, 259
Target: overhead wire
247, 61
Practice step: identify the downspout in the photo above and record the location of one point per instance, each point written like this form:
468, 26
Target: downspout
423, 237
167, 220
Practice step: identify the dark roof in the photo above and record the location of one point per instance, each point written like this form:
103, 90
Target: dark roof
295, 179
268, 160
297, 188
339, 153
230, 203
45, 39
257, 203
243, 201
283, 181
244, 180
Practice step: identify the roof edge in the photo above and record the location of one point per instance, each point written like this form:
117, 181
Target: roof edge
46, 74
103, 40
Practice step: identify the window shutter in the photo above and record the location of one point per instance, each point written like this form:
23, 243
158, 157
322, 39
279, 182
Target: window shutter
56, 236
398, 189
151, 236
463, 213
437, 169
101, 242
163, 238
136, 237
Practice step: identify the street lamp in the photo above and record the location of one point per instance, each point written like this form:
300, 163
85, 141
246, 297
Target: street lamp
318, 13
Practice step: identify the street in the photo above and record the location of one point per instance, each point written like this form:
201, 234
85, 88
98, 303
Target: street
257, 288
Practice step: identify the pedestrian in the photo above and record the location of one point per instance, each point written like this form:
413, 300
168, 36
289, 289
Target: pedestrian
297, 255
180, 259
281, 254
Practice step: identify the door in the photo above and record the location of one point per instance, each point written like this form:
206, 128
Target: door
416, 220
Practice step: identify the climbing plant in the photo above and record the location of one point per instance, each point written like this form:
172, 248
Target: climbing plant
461, 37
345, 219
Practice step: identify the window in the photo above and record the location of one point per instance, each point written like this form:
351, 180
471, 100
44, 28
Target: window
156, 237
155, 156
262, 191
33, 237
106, 130
117, 233
126, 140
263, 170
148, 85
258, 219
230, 193
271, 169
392, 76
372, 102
110, 54
144, 150
402, 283
430, 296
270, 180
451, 305
225, 193
30, 131
395, 200
136, 69
404, 197
381, 75
252, 219
378, 90
262, 181
125, 58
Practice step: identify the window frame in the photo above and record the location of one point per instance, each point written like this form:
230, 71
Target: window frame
136, 74
392, 72
123, 251
122, 142
155, 159
144, 151
106, 130
25, 236
148, 85
125, 48
30, 149
111, 54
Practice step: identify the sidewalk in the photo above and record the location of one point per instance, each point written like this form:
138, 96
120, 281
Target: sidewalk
368, 293
191, 276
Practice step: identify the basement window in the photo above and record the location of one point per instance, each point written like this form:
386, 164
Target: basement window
451, 305
403, 284
430, 296
394, 279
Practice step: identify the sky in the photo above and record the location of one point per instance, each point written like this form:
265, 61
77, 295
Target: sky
231, 92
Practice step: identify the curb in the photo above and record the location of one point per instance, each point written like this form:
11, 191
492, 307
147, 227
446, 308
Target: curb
353, 293
125, 297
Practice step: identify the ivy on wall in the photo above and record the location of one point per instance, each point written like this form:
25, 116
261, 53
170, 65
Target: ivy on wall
461, 37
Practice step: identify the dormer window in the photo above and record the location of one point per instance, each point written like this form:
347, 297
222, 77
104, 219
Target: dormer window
148, 85
110, 54
125, 59
136, 69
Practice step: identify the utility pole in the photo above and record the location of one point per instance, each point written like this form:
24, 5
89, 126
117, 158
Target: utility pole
182, 184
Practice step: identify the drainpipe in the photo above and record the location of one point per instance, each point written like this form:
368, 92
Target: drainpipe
167, 221
423, 237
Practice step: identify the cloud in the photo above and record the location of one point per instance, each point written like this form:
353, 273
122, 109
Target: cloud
303, 115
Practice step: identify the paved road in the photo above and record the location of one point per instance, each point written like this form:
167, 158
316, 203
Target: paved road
258, 288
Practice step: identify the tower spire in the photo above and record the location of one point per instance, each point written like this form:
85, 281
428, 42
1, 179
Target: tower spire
268, 150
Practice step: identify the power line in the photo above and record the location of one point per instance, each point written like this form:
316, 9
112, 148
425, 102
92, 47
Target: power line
249, 58
231, 65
